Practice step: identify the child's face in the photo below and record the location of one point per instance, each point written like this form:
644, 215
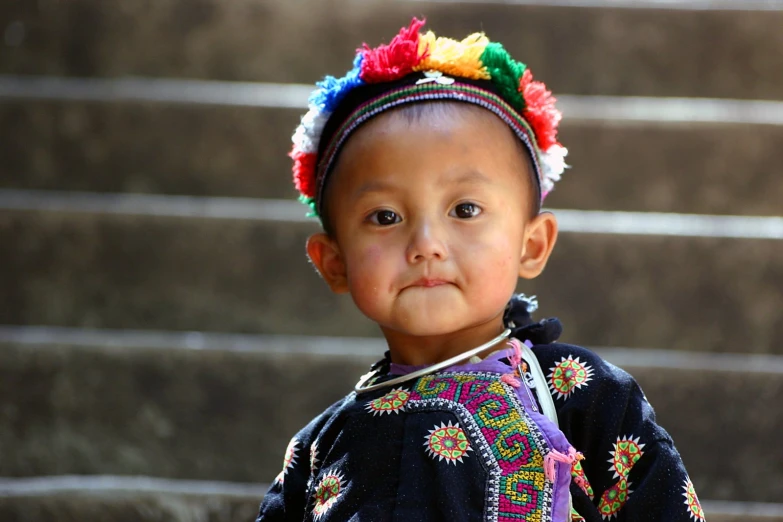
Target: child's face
431, 220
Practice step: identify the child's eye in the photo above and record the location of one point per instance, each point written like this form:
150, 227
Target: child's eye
466, 210
384, 217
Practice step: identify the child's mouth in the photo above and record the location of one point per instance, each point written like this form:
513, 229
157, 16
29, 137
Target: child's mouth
429, 283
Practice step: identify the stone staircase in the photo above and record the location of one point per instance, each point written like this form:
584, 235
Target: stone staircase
163, 335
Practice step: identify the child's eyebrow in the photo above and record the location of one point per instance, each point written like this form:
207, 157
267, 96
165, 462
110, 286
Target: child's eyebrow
470, 177
371, 186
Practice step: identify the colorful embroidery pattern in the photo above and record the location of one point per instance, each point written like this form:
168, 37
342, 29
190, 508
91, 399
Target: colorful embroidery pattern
327, 492
627, 452
394, 401
447, 442
506, 438
692, 501
614, 499
568, 375
576, 517
288, 460
580, 479
313, 457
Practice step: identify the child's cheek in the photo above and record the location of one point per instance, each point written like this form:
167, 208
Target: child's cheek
372, 254
362, 261
367, 274
497, 265
496, 254
505, 261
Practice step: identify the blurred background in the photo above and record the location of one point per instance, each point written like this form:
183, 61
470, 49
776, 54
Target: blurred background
163, 336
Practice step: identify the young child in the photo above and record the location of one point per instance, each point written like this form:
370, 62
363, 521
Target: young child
427, 164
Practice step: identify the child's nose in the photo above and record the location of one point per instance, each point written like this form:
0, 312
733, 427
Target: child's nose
426, 243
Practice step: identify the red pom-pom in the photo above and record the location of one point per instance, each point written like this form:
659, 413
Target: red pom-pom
391, 62
304, 172
540, 110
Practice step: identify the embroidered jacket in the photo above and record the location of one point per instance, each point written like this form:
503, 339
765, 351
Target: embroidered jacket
465, 445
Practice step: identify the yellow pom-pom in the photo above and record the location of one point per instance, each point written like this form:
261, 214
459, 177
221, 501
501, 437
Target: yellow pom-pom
462, 59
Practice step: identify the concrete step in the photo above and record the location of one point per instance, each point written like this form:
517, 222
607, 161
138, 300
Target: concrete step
121, 499
157, 271
118, 499
147, 147
240, 151
610, 50
203, 410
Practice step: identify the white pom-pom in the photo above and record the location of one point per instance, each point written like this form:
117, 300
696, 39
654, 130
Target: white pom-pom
308, 133
552, 166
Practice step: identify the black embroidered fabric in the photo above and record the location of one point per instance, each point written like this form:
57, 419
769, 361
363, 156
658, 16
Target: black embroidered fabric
390, 478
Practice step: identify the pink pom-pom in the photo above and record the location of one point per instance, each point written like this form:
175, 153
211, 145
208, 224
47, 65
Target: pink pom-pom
540, 110
391, 62
304, 172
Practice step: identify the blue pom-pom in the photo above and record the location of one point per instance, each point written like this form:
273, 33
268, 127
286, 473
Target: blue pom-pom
332, 90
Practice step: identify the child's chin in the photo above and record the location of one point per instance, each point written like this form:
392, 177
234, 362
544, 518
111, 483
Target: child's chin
424, 325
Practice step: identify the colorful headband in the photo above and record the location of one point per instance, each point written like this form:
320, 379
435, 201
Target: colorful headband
420, 67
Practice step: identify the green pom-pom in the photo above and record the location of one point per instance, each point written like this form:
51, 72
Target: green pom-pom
505, 73
310, 202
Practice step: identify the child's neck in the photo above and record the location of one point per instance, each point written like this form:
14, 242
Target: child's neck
425, 350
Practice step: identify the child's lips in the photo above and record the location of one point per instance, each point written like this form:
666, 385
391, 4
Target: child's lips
427, 282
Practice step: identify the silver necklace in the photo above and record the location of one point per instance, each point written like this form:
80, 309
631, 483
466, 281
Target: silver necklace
361, 388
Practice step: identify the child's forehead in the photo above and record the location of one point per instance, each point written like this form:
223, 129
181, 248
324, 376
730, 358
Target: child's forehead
442, 142
434, 131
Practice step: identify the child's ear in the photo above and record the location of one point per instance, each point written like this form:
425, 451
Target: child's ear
326, 257
540, 238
